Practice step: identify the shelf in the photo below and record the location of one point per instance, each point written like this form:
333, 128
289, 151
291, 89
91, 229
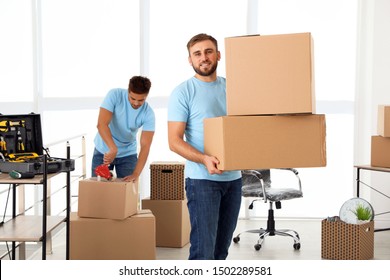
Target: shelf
28, 228
38, 179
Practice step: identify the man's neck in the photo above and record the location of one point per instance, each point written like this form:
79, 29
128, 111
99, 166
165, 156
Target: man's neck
207, 79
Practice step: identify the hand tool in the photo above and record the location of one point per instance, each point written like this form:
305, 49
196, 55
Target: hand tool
7, 124
102, 171
21, 157
21, 175
3, 144
20, 142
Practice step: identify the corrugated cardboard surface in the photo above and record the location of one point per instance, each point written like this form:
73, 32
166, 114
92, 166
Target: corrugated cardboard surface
342, 241
109, 200
172, 221
272, 74
258, 142
380, 151
384, 120
167, 180
106, 239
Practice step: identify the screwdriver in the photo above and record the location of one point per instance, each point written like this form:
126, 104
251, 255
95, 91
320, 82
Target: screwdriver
20, 142
3, 144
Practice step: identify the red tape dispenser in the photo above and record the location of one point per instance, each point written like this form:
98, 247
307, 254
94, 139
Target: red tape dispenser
102, 171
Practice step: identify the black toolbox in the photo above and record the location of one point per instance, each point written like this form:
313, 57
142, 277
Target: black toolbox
21, 146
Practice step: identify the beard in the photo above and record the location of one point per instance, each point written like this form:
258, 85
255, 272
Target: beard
206, 73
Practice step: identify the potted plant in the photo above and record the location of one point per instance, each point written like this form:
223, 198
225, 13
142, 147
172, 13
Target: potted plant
362, 213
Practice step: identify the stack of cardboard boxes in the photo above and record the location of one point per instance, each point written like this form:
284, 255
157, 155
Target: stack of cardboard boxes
380, 143
271, 120
168, 204
109, 225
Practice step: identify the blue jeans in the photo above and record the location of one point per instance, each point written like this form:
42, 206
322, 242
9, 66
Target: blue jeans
124, 166
213, 207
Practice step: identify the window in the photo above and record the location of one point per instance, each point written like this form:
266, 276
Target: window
89, 46
16, 67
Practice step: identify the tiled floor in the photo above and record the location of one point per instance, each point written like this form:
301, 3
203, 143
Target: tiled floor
273, 248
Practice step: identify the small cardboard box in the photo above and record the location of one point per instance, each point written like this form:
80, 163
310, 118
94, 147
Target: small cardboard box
342, 241
384, 120
105, 239
107, 200
271, 74
167, 180
263, 142
380, 151
172, 221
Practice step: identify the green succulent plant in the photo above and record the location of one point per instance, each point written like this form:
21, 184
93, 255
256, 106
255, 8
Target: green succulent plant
362, 213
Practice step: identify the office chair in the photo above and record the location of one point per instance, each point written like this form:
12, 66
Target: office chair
257, 185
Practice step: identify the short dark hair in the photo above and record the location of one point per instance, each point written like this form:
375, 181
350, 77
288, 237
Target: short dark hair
139, 84
199, 38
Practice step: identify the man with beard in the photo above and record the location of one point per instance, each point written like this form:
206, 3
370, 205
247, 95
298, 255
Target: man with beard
214, 197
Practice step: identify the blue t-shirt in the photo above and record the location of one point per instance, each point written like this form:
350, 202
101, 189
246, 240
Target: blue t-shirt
125, 122
192, 102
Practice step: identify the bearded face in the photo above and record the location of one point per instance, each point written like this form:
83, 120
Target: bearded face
206, 68
204, 58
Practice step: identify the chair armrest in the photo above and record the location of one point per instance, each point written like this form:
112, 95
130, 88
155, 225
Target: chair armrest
259, 176
296, 175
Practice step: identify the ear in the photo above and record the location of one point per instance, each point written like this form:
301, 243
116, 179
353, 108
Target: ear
189, 60
218, 55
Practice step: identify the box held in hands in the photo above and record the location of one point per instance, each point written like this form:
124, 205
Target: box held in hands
270, 74
257, 142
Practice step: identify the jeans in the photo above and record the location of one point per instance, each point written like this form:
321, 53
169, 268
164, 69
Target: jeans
124, 166
213, 207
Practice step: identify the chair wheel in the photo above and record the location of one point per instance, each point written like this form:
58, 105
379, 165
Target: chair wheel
297, 246
236, 239
257, 247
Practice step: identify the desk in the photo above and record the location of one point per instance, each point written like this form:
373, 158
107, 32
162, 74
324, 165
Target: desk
370, 168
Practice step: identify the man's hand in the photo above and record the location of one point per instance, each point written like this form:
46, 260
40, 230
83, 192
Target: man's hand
131, 178
211, 163
109, 157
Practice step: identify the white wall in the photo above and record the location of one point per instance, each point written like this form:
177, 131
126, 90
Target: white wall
372, 89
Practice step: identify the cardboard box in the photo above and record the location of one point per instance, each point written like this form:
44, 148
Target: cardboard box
105, 239
384, 120
342, 241
172, 221
167, 180
380, 151
107, 200
263, 142
272, 74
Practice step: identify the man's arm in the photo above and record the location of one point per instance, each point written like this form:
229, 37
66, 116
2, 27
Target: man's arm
145, 143
104, 120
182, 148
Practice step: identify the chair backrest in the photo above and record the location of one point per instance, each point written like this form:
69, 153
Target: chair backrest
249, 179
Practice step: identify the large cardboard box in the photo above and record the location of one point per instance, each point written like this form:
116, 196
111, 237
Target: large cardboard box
380, 151
172, 221
167, 180
106, 239
271, 74
109, 200
257, 142
384, 120
342, 241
